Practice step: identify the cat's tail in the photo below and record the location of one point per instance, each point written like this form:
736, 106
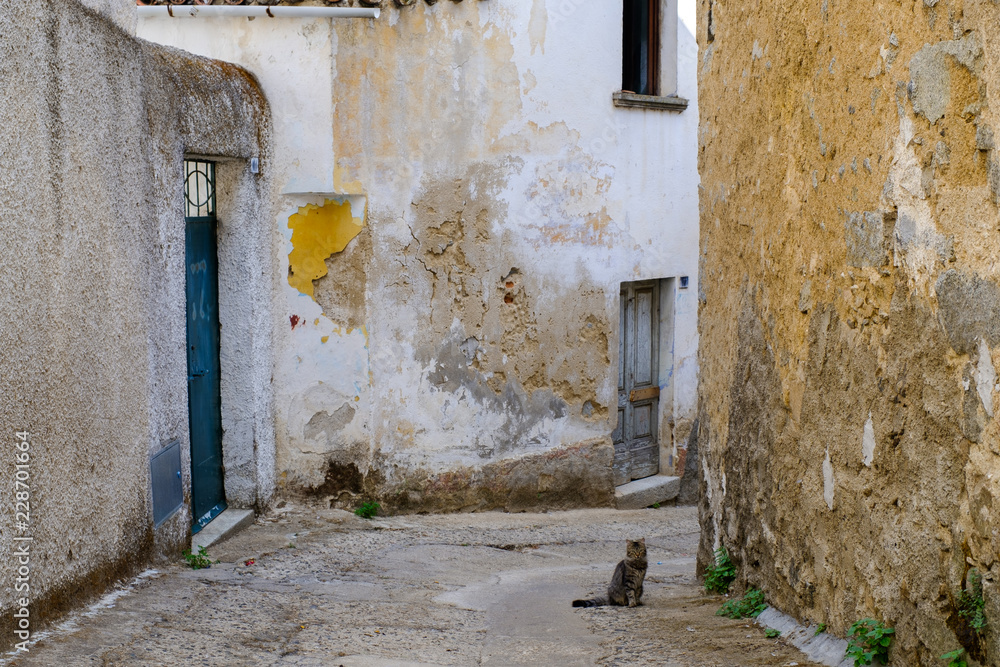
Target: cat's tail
593, 602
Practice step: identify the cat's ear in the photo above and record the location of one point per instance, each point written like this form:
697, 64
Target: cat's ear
642, 541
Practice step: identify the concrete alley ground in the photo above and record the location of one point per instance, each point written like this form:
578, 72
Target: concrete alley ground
328, 588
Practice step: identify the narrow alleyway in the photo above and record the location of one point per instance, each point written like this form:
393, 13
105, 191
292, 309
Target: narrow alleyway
328, 588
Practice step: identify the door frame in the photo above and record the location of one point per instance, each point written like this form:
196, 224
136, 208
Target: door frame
200, 209
247, 276
665, 325
632, 395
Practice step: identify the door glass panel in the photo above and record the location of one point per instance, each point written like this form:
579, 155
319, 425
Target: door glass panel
199, 189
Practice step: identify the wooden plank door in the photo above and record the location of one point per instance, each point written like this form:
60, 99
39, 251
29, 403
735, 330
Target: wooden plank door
637, 452
208, 497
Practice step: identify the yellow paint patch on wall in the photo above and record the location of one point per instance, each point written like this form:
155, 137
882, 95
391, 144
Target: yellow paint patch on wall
324, 339
317, 233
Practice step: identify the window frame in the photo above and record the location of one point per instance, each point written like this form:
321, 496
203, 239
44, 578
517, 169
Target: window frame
634, 38
661, 60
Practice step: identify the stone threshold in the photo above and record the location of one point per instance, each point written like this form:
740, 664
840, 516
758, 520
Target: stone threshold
645, 492
222, 527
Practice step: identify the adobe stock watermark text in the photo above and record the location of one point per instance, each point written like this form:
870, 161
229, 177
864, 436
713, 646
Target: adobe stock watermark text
22, 538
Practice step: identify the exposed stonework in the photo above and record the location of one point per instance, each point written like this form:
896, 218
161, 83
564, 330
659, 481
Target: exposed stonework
562, 478
849, 308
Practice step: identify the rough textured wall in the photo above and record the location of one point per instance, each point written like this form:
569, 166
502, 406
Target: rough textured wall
460, 351
849, 299
95, 127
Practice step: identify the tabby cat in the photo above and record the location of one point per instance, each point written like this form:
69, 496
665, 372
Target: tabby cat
625, 589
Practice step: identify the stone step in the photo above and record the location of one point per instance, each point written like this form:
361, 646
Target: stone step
222, 527
645, 492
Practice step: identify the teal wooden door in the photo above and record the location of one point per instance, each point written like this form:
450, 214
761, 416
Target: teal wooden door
208, 497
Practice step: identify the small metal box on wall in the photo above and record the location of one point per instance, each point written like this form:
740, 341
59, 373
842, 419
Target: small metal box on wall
168, 491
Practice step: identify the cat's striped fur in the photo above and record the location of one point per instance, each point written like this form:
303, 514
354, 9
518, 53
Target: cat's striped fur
625, 589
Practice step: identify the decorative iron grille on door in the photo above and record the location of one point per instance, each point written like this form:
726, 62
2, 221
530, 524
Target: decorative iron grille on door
199, 189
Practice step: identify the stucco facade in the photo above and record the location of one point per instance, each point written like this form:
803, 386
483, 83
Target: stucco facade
92, 345
848, 318
460, 202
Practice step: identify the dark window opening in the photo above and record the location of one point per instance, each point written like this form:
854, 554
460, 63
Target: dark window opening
641, 47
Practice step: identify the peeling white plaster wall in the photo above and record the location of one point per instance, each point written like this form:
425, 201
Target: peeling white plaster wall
568, 60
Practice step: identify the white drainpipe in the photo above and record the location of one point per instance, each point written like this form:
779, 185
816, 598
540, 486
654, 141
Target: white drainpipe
274, 11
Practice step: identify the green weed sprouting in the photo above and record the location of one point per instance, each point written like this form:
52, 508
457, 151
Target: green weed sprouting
869, 640
721, 574
369, 509
199, 560
749, 606
971, 605
955, 658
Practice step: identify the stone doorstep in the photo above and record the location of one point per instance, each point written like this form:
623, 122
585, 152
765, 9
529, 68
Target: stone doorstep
222, 527
645, 492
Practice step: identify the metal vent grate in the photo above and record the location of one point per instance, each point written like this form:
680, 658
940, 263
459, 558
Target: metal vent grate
199, 188
168, 492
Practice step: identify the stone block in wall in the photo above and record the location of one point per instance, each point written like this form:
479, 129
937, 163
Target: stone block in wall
867, 236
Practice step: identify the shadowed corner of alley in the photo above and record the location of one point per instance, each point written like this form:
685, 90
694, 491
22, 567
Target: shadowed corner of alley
312, 586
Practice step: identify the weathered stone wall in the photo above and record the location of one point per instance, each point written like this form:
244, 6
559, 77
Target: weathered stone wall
95, 128
849, 300
456, 235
